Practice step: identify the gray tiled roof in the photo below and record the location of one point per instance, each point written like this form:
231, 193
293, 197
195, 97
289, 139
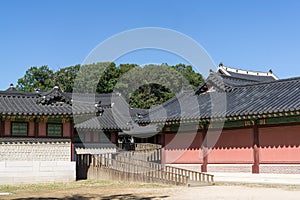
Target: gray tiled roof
250, 98
53, 102
56, 102
243, 95
118, 117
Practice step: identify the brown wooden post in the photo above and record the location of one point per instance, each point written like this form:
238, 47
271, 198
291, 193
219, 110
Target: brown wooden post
36, 127
7, 128
204, 150
72, 141
255, 167
2, 128
163, 149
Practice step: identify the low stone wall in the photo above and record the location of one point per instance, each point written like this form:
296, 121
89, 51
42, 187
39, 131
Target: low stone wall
193, 167
243, 168
279, 168
230, 168
224, 168
24, 160
19, 172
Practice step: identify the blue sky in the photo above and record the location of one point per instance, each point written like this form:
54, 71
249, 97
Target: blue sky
258, 35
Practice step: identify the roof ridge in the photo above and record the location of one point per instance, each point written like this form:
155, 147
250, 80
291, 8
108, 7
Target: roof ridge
269, 82
226, 70
19, 93
245, 70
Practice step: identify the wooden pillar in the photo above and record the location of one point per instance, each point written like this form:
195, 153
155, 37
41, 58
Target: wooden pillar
163, 148
204, 151
255, 167
31, 128
36, 129
7, 128
2, 128
72, 141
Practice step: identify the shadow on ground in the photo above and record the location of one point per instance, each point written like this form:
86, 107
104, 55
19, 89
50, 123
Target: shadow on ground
79, 197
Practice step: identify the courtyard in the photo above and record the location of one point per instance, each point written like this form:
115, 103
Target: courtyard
122, 190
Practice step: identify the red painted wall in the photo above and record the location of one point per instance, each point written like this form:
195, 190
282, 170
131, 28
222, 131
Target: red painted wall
233, 146
280, 144
7, 125
66, 129
31, 129
177, 152
42, 129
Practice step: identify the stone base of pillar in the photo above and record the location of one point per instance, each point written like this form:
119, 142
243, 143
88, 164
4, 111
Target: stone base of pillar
203, 168
255, 169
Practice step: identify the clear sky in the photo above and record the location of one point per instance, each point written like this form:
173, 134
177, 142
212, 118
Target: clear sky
255, 34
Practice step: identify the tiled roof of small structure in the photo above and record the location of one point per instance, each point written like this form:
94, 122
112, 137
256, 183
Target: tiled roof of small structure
250, 97
109, 120
119, 116
53, 102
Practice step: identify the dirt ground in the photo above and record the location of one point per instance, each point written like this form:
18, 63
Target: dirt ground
115, 190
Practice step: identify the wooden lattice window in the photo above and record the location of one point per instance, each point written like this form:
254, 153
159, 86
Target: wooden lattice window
19, 128
54, 130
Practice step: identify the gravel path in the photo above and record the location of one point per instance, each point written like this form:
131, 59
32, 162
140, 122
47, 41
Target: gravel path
236, 193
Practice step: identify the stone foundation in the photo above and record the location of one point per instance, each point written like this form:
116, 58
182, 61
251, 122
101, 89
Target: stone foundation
34, 160
230, 168
279, 168
19, 172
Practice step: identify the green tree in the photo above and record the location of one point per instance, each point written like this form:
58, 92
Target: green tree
154, 84
65, 77
36, 77
149, 95
87, 79
108, 79
194, 78
142, 87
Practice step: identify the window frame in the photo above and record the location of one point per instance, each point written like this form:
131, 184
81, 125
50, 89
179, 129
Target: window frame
53, 123
16, 122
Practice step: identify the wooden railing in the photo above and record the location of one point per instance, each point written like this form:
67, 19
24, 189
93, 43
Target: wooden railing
138, 162
150, 156
146, 147
107, 166
103, 168
193, 175
139, 146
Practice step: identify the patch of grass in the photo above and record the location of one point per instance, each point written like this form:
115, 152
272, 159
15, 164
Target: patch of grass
73, 185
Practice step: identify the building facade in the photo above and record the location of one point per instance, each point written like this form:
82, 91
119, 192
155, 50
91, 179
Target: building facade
261, 130
237, 121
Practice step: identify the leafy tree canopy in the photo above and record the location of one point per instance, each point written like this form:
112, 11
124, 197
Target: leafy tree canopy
142, 87
36, 77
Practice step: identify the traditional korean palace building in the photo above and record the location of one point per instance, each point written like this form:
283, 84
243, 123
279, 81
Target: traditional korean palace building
41, 133
261, 133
